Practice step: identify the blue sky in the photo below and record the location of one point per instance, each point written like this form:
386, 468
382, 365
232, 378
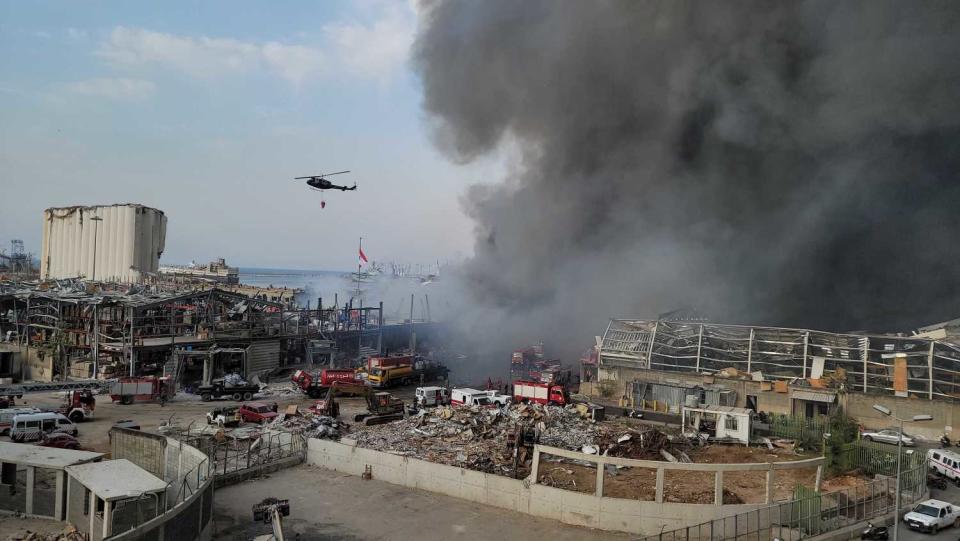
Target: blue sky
207, 110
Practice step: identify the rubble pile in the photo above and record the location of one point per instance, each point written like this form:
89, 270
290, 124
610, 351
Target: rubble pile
477, 438
311, 425
285, 388
69, 534
234, 380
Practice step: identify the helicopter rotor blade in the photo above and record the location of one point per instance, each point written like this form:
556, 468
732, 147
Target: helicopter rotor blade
301, 178
337, 173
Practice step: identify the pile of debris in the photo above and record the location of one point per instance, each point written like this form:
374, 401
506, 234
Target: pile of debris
311, 425
69, 534
478, 438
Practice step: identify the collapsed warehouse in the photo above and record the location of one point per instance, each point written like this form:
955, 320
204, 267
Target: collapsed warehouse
52, 330
794, 371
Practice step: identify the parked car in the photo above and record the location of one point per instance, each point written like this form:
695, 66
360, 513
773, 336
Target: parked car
258, 412
221, 417
60, 441
933, 515
888, 435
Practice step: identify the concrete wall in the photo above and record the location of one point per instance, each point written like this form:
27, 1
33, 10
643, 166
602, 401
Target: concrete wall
143, 449
639, 517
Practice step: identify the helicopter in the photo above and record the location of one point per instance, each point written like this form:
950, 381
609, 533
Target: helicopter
319, 182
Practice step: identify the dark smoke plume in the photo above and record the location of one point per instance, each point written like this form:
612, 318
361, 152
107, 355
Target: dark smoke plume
770, 163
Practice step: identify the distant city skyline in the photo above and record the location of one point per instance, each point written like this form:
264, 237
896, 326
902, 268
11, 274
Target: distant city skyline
208, 118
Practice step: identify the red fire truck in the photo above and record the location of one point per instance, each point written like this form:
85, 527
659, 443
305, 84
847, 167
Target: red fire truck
540, 393
78, 405
316, 385
128, 390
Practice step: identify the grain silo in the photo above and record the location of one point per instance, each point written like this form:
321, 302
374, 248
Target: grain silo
116, 243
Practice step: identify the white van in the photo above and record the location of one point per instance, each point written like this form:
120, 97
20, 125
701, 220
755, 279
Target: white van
32, 426
946, 463
7, 415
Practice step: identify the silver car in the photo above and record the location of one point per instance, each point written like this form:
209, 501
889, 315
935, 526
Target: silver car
888, 435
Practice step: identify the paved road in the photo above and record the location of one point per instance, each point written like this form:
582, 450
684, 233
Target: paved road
952, 495
326, 505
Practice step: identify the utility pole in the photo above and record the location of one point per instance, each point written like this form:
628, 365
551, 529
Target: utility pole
96, 221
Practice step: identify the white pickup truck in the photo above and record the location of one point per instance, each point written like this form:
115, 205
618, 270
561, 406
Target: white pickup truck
932, 516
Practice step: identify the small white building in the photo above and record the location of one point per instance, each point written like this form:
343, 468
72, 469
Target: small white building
105, 243
112, 496
728, 422
32, 478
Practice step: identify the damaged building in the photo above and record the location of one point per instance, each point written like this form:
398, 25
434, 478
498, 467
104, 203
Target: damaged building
119, 243
795, 371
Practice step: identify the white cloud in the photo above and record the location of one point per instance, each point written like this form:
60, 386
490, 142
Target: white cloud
376, 49
373, 44
112, 88
208, 57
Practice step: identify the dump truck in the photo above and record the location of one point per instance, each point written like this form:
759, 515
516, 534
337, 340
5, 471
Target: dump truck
316, 384
128, 390
218, 388
540, 393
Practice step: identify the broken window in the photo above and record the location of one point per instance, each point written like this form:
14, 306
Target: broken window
730, 423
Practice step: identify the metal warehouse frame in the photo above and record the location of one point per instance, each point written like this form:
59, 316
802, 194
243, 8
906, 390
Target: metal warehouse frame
933, 366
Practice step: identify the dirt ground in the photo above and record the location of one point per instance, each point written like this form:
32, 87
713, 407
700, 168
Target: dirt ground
182, 410
14, 528
691, 486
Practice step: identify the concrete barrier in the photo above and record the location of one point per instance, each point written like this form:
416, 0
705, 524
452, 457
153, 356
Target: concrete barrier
590, 510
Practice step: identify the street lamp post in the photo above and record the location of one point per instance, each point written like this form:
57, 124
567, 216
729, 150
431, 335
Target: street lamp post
96, 223
896, 504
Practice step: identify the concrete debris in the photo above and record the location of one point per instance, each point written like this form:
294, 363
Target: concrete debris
234, 380
477, 438
69, 534
311, 425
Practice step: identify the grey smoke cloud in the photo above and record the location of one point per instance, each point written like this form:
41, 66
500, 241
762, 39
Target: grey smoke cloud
789, 163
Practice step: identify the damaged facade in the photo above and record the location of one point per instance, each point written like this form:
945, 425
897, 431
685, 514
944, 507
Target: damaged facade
120, 243
915, 366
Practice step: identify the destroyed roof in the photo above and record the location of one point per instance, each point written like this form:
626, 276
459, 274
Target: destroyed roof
44, 457
720, 409
140, 297
116, 479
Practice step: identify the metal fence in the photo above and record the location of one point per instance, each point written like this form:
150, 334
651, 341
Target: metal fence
798, 428
812, 513
229, 455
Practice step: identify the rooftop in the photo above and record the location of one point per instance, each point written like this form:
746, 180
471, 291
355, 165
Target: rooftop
720, 409
44, 457
116, 479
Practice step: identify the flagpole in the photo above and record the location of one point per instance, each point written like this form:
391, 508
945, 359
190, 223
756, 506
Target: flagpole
360, 306
359, 263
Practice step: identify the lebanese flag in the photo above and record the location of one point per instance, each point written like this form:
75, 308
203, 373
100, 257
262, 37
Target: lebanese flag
363, 256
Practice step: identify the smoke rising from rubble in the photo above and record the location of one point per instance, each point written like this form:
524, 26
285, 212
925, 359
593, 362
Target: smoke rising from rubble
767, 163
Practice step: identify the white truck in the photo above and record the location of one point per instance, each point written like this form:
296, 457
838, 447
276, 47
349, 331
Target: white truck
432, 396
933, 515
473, 397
